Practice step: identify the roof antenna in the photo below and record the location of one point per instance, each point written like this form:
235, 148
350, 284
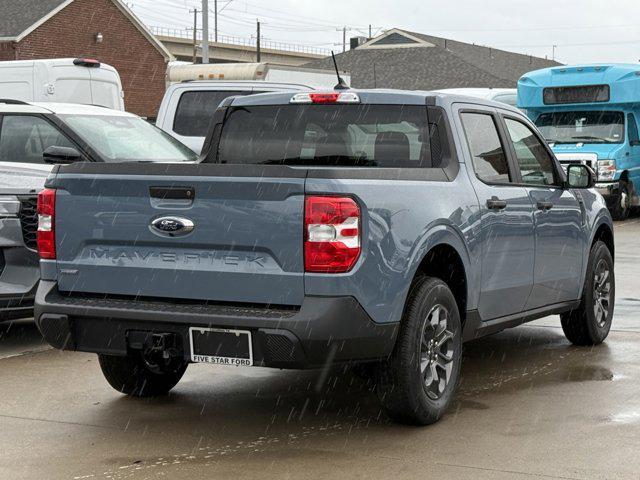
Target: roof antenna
342, 85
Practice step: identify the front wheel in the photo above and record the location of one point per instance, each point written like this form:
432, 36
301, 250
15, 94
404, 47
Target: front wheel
590, 323
417, 383
132, 376
622, 202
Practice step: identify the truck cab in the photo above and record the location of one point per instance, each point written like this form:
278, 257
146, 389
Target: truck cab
589, 115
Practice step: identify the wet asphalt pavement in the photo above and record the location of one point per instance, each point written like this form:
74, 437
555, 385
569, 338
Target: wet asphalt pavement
530, 405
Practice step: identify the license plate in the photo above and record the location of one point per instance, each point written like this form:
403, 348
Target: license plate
221, 346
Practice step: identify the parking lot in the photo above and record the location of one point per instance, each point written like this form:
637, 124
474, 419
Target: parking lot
530, 406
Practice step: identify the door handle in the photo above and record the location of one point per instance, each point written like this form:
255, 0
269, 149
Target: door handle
544, 206
496, 204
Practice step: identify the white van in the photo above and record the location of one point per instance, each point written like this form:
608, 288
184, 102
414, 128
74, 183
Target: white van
62, 80
195, 91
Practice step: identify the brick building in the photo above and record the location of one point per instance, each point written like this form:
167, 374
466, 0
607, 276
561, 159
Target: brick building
102, 29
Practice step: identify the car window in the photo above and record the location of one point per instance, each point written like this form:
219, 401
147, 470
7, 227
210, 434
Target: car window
24, 138
195, 111
535, 163
391, 136
489, 160
119, 138
633, 128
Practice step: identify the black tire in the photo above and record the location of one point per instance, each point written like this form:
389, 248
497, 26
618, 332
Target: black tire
403, 389
131, 376
590, 324
621, 208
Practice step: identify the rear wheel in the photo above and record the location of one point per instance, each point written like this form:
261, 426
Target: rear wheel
133, 376
622, 204
590, 323
417, 383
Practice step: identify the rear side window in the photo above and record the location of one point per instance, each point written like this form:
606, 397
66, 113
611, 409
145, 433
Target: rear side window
489, 159
24, 138
195, 111
392, 136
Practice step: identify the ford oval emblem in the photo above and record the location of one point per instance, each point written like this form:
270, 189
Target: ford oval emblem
172, 226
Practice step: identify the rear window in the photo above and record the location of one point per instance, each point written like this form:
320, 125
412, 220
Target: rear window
195, 111
394, 136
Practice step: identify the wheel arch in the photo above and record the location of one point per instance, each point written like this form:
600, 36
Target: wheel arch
604, 233
444, 255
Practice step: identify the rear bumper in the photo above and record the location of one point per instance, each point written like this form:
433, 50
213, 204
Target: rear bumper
608, 190
324, 330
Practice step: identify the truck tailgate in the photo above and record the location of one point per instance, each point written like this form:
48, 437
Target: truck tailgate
245, 246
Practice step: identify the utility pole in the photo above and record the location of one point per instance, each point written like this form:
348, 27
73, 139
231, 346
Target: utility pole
258, 41
205, 31
553, 56
215, 20
344, 39
369, 31
195, 34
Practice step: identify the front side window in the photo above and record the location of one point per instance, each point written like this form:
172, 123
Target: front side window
582, 127
195, 111
489, 159
535, 163
119, 138
24, 138
393, 136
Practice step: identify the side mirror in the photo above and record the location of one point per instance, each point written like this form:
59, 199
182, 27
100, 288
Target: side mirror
580, 176
61, 155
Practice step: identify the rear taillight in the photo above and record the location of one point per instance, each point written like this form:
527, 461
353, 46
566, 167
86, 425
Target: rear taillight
46, 224
332, 234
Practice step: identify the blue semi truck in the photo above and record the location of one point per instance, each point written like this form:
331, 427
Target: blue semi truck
589, 115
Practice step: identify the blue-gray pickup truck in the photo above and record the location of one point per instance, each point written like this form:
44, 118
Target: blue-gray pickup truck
319, 228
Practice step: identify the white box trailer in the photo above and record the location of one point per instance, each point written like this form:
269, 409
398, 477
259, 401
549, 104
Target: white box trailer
62, 80
266, 72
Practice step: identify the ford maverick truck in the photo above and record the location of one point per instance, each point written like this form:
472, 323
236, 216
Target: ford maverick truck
381, 227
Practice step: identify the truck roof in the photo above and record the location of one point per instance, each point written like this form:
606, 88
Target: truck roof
623, 80
375, 96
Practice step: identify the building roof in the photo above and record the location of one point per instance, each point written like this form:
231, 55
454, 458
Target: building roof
21, 17
414, 61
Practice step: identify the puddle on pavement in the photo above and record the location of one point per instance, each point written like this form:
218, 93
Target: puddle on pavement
626, 418
587, 373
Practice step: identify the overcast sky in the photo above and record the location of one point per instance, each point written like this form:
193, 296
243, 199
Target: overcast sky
582, 30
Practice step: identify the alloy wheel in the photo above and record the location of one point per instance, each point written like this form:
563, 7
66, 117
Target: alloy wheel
436, 352
601, 293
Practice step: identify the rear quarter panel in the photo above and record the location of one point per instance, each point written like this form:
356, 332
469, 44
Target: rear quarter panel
402, 221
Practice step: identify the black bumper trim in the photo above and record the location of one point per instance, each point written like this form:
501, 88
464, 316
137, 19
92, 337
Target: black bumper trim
16, 306
323, 331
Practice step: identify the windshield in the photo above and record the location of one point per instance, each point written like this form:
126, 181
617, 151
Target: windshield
327, 135
582, 127
128, 139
